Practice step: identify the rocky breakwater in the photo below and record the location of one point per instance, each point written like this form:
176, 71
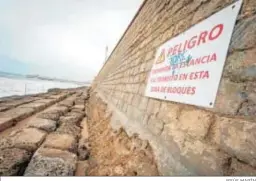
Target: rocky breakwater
39, 135
51, 135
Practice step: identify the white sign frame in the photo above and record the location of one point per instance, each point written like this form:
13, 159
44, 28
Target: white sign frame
174, 75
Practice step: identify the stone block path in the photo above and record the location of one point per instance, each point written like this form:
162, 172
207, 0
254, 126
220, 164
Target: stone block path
49, 135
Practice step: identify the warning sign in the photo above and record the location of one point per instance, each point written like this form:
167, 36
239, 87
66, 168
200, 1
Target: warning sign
188, 68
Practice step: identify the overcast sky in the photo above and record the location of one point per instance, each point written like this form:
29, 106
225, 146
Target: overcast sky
61, 38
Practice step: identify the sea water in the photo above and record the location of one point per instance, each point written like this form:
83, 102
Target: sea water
24, 86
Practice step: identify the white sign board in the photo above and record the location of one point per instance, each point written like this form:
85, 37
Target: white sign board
188, 68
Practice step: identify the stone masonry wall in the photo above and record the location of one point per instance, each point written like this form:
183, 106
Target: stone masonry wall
186, 140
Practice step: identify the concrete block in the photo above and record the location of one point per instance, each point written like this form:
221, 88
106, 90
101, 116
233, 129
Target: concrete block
28, 138
51, 162
13, 161
60, 141
47, 125
6, 123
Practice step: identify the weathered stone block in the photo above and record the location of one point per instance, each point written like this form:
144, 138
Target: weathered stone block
6, 142
229, 97
155, 126
83, 149
47, 102
79, 101
17, 114
82, 168
141, 165
238, 138
130, 97
61, 110
67, 103
249, 5
72, 118
142, 89
169, 112
84, 131
13, 161
240, 66
244, 35
51, 162
182, 25
248, 108
173, 136
29, 138
4, 108
207, 9
238, 168
59, 97
153, 106
204, 159
48, 115
44, 124
136, 100
37, 106
195, 122
70, 129
143, 103
79, 107
5, 123
14, 102
61, 142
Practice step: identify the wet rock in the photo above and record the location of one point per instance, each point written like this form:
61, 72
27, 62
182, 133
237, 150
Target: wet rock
61, 141
13, 161
51, 162
44, 124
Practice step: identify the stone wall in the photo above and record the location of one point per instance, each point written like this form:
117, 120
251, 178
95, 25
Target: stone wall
186, 140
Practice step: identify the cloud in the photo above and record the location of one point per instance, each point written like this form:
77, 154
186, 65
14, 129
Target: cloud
63, 38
